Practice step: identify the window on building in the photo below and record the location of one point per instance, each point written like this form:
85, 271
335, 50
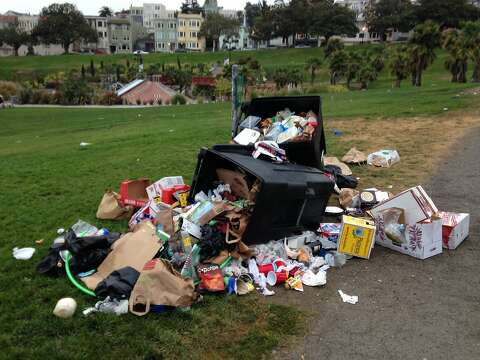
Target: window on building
100, 34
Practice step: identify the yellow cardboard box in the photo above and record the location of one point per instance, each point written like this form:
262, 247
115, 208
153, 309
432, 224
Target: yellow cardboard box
357, 237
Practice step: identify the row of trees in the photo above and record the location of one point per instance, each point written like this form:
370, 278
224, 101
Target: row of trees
325, 18
462, 46
60, 24
322, 18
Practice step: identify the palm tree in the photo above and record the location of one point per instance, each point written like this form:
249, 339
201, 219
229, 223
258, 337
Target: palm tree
337, 65
353, 61
454, 42
471, 29
422, 44
312, 65
333, 44
399, 63
365, 75
105, 11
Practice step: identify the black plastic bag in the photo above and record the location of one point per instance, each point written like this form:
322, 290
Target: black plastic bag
342, 181
119, 284
81, 245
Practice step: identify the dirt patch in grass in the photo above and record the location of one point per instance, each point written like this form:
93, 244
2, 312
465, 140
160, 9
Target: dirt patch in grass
423, 144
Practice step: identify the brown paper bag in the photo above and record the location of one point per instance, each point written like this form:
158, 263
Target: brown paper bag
354, 156
160, 284
133, 249
111, 209
165, 218
237, 182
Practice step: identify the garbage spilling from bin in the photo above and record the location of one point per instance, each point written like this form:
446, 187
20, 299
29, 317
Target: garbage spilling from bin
245, 223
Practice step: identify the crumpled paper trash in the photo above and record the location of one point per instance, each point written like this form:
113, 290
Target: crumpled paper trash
350, 299
354, 156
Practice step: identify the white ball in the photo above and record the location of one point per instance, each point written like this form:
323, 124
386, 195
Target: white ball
65, 308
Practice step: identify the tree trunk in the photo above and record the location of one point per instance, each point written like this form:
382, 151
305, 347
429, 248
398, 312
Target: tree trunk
15, 50
332, 78
462, 73
312, 76
418, 73
398, 81
363, 85
476, 71
66, 49
414, 76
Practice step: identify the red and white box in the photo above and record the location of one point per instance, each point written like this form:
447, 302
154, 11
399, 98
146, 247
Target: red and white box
422, 240
455, 229
417, 205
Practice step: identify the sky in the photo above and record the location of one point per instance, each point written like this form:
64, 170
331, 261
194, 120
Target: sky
91, 7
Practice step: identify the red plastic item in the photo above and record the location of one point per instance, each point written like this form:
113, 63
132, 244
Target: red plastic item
167, 193
266, 268
134, 193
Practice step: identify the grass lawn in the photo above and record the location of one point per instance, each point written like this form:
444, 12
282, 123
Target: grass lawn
48, 182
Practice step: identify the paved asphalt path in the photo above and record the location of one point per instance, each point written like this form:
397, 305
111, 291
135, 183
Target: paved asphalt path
408, 308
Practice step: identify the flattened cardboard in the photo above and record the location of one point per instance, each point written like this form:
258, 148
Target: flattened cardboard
132, 249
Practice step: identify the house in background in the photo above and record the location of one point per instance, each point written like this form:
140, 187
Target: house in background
100, 25
143, 92
165, 34
188, 34
120, 35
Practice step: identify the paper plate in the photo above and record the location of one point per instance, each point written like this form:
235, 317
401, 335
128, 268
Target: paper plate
334, 210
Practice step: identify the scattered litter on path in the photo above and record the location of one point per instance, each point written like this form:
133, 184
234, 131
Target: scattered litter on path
23, 253
350, 299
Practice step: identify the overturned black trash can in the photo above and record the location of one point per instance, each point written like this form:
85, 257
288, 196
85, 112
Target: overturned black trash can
308, 153
292, 197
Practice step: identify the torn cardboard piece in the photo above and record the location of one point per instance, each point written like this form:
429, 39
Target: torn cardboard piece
354, 157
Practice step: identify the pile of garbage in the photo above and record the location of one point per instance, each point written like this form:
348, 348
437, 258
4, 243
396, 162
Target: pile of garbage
183, 242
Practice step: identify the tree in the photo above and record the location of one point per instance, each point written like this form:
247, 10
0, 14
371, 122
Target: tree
365, 75
455, 43
262, 28
105, 11
63, 24
446, 13
353, 62
398, 62
312, 65
216, 25
472, 36
333, 44
422, 44
15, 37
83, 72
337, 65
330, 19
92, 68
283, 23
384, 15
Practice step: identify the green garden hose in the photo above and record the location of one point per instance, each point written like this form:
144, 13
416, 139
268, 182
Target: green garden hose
72, 278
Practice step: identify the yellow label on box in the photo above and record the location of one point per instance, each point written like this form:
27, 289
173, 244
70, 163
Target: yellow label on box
356, 237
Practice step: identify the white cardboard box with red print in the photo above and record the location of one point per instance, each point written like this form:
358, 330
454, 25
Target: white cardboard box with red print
422, 240
455, 229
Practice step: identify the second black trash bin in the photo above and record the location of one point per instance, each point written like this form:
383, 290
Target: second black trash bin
292, 197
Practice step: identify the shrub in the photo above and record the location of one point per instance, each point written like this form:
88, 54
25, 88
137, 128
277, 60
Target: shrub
36, 96
179, 100
57, 98
316, 89
46, 98
152, 102
8, 89
76, 92
109, 98
337, 89
25, 95
139, 102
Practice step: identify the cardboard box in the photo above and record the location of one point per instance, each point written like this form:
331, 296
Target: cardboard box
417, 205
134, 193
455, 229
422, 240
155, 190
357, 237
